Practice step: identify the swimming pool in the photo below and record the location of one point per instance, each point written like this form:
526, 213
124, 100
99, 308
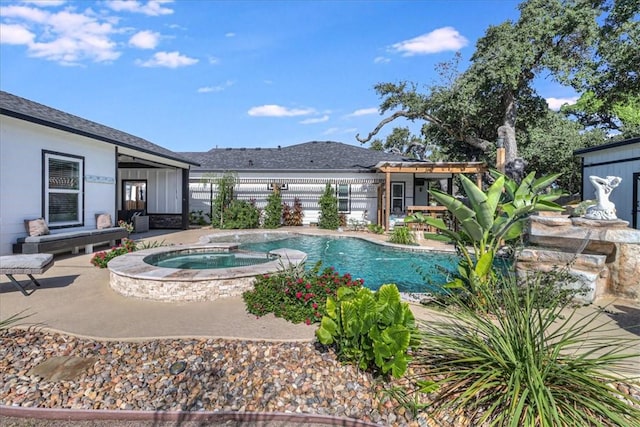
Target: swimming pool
377, 264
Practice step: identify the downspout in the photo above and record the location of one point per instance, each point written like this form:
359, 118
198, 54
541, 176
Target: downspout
581, 178
185, 199
115, 193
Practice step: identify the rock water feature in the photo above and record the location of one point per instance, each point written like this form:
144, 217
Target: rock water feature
602, 252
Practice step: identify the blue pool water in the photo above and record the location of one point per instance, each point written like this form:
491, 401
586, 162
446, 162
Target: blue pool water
374, 263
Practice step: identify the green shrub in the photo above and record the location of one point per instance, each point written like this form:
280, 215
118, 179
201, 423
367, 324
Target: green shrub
296, 295
101, 259
273, 210
402, 236
373, 330
375, 228
519, 364
329, 218
241, 215
199, 217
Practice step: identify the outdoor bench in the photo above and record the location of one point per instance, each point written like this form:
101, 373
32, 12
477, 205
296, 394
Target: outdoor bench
69, 241
25, 264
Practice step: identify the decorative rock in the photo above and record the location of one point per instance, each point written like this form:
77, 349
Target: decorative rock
556, 241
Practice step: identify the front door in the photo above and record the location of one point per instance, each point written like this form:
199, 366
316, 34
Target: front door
397, 198
134, 195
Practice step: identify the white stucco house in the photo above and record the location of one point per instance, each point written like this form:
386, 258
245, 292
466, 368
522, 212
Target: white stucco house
67, 169
621, 159
365, 181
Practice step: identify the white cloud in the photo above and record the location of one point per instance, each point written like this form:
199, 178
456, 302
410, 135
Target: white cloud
168, 59
15, 34
556, 103
273, 110
151, 7
26, 13
315, 120
364, 112
440, 40
381, 60
65, 37
219, 88
145, 39
230, 34
334, 131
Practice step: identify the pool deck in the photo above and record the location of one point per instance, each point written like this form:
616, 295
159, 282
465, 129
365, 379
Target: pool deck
76, 298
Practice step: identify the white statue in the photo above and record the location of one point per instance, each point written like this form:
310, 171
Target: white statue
604, 209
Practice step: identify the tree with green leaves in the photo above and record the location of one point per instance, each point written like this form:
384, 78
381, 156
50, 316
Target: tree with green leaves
548, 146
329, 217
621, 116
402, 141
226, 184
495, 97
273, 210
609, 80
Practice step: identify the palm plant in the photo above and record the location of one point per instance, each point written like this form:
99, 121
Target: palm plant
491, 219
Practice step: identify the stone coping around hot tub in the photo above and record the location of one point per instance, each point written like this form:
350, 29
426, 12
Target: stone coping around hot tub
132, 264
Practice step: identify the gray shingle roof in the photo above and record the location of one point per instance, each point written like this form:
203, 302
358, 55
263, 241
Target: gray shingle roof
21, 108
314, 155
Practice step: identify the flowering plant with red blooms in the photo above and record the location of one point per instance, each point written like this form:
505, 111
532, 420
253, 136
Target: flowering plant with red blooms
297, 296
101, 259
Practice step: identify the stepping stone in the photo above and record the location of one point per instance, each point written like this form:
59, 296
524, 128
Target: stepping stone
63, 368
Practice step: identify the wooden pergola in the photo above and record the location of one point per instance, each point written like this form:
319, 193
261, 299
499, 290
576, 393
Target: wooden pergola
444, 169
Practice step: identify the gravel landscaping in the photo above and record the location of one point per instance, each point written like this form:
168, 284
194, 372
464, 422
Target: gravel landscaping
218, 375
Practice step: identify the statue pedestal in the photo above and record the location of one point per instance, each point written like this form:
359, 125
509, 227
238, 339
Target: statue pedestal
603, 255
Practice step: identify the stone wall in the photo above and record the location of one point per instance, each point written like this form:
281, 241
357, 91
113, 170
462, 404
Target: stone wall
165, 221
602, 255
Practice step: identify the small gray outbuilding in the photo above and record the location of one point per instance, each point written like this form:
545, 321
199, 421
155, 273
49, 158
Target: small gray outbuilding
622, 159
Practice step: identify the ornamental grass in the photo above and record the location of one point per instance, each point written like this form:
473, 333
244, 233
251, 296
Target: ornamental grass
523, 363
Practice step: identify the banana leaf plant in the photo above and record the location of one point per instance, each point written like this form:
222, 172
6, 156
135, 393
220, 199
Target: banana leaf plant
492, 218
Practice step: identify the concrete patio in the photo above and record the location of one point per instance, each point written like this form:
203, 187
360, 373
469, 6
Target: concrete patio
75, 298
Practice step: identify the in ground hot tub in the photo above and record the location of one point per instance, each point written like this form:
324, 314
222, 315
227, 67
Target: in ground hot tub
195, 272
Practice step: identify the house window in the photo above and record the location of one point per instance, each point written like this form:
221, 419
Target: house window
397, 197
343, 193
63, 189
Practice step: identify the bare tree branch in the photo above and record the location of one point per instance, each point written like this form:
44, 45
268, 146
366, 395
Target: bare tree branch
479, 143
402, 113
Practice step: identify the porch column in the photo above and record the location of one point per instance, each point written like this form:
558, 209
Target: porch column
387, 178
479, 180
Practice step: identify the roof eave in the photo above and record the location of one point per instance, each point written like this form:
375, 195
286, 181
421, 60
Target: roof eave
70, 129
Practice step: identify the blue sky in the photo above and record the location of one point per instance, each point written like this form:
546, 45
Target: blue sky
191, 75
